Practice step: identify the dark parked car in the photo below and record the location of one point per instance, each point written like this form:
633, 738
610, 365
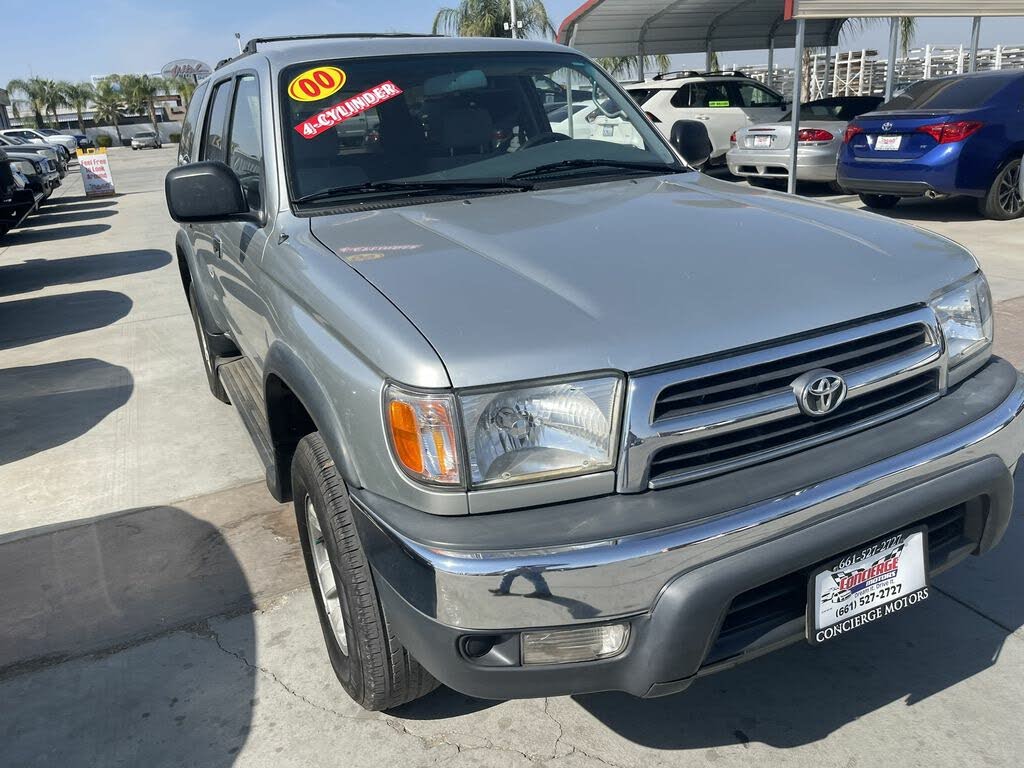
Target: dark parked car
16, 200
959, 135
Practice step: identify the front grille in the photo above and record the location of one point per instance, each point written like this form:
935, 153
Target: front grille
792, 431
762, 613
723, 414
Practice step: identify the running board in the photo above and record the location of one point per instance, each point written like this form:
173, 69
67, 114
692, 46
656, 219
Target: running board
242, 382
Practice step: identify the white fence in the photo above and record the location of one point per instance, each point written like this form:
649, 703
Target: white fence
862, 73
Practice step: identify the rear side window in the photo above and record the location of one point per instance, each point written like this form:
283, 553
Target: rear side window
947, 93
214, 146
245, 155
188, 128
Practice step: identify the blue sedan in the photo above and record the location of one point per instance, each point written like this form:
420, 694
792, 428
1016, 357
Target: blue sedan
959, 135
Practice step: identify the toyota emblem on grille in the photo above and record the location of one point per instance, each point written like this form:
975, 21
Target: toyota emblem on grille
886, 126
819, 392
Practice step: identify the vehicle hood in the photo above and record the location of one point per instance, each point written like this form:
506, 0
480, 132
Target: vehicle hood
629, 275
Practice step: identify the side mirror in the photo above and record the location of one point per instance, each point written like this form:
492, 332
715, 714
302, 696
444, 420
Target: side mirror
690, 138
205, 191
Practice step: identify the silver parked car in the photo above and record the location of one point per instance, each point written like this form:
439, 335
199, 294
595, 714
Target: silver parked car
558, 414
761, 152
144, 139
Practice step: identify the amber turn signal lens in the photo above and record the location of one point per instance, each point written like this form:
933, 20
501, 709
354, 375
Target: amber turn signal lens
423, 435
406, 436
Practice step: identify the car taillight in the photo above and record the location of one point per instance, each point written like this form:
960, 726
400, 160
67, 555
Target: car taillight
652, 118
732, 139
950, 133
851, 131
814, 134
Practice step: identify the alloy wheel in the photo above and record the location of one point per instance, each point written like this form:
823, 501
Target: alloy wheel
325, 577
1009, 191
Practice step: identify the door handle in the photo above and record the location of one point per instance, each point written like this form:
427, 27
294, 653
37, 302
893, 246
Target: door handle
703, 117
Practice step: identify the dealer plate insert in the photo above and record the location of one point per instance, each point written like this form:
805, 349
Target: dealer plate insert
867, 584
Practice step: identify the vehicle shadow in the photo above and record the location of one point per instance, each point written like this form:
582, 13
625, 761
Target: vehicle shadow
27, 321
801, 694
47, 216
43, 406
945, 210
27, 234
113, 582
35, 274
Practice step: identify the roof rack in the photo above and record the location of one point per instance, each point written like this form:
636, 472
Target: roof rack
250, 47
727, 73
675, 75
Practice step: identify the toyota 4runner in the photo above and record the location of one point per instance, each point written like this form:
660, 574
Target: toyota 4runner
559, 414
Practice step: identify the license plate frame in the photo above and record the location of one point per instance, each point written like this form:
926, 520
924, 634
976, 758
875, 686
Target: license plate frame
891, 590
763, 142
888, 143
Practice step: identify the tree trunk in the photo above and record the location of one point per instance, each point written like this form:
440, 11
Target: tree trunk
40, 123
117, 128
81, 120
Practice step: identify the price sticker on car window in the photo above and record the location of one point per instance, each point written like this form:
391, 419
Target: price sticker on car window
719, 104
347, 109
316, 84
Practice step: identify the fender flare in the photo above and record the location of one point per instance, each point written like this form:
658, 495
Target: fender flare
285, 364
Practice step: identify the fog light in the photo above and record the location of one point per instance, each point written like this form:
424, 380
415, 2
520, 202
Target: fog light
562, 646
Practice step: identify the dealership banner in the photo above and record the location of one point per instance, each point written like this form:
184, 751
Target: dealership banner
839, 9
96, 177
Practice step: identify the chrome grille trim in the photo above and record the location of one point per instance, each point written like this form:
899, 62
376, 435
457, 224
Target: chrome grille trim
645, 436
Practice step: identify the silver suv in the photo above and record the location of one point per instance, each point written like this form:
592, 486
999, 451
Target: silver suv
557, 413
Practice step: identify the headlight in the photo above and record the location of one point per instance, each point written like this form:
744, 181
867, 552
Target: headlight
965, 316
539, 432
25, 166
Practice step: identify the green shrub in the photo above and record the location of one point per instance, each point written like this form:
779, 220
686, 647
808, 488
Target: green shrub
175, 138
104, 141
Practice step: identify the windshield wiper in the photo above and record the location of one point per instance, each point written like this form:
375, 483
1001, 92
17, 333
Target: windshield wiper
562, 165
434, 185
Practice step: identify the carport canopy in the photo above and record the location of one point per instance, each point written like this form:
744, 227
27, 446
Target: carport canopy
650, 27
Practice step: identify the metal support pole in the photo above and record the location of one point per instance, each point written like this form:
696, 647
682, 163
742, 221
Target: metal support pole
515, 29
707, 60
798, 76
771, 61
641, 72
975, 39
825, 92
890, 67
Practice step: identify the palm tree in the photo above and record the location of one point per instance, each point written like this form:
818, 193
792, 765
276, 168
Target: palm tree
183, 86
56, 97
487, 18
108, 103
140, 92
78, 96
35, 93
626, 66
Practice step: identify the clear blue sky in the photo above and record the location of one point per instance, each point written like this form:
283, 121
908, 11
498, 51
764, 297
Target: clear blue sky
142, 35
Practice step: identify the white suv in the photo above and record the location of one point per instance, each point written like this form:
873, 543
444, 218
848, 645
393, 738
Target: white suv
726, 101
70, 143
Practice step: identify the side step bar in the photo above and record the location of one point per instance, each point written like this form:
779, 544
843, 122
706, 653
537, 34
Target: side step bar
242, 382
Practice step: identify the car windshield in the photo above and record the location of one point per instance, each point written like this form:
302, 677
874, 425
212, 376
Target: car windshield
355, 126
48, 132
967, 92
834, 109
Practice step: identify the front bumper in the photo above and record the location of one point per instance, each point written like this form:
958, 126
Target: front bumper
812, 163
612, 558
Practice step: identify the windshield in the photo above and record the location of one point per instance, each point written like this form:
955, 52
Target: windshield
967, 92
48, 132
458, 118
835, 109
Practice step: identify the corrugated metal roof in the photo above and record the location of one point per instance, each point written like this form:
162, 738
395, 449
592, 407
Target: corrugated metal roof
621, 27
824, 9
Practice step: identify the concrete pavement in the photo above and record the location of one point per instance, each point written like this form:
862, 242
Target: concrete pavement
154, 609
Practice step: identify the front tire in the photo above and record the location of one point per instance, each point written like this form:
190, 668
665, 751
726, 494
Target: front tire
374, 668
880, 202
1003, 200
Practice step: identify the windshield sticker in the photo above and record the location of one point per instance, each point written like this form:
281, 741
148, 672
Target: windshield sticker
718, 103
350, 107
316, 84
